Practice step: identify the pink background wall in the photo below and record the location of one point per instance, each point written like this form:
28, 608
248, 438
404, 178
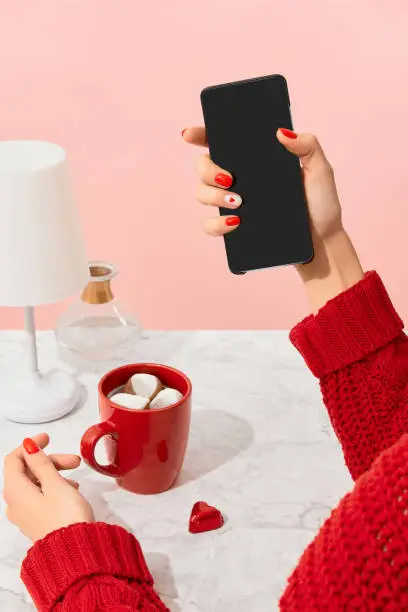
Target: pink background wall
115, 81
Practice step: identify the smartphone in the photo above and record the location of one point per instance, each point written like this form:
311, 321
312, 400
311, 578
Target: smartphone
241, 120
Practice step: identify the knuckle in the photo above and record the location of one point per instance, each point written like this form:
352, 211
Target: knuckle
312, 140
200, 193
209, 229
202, 165
198, 165
45, 463
214, 197
215, 231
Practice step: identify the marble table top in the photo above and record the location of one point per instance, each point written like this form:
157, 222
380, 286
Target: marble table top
261, 449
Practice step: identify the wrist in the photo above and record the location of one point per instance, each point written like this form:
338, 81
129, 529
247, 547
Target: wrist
334, 268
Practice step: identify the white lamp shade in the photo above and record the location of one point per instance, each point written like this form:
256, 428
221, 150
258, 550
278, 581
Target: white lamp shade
42, 251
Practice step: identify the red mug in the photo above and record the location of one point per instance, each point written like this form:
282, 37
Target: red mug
146, 448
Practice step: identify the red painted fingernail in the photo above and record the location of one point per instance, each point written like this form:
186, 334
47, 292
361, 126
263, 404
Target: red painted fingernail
288, 133
182, 131
30, 446
231, 221
223, 179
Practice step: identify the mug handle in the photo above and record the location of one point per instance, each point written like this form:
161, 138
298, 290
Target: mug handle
88, 443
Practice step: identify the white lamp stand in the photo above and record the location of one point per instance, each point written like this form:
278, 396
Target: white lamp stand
43, 261
32, 397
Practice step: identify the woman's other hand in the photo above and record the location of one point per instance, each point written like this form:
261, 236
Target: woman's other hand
39, 499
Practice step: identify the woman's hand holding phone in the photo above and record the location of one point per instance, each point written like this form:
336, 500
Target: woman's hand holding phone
335, 266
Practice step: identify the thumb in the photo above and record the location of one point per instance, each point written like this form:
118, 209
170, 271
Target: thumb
306, 147
40, 464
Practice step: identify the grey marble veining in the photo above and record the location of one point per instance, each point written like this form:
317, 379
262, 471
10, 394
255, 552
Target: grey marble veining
261, 449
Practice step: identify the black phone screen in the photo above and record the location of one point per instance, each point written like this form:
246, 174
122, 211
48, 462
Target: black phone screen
241, 120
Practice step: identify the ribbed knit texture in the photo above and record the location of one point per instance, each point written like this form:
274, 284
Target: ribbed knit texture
356, 346
349, 327
89, 568
359, 559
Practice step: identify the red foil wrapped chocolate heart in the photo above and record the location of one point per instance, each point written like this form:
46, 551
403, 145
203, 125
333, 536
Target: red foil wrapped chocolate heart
205, 518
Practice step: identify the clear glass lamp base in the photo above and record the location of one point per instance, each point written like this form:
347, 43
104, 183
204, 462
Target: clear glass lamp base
37, 398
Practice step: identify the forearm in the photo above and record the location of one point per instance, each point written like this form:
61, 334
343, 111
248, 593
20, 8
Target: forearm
334, 268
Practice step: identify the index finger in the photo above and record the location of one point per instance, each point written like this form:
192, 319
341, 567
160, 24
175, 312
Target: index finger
16, 480
16, 468
42, 440
196, 136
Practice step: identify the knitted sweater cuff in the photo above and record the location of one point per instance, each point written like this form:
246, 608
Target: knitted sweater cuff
349, 327
65, 556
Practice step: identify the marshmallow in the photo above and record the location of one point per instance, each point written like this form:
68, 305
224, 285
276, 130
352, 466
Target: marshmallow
166, 397
145, 385
134, 402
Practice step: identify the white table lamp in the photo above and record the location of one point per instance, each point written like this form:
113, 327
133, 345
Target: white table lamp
43, 261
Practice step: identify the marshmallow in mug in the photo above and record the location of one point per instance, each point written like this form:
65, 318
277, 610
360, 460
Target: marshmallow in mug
146, 385
166, 397
146, 391
133, 402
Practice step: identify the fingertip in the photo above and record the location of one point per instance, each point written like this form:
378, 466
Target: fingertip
73, 461
232, 221
42, 439
195, 135
281, 139
30, 446
286, 133
222, 179
232, 200
219, 226
189, 135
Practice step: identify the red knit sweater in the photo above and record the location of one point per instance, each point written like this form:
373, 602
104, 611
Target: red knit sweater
359, 559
